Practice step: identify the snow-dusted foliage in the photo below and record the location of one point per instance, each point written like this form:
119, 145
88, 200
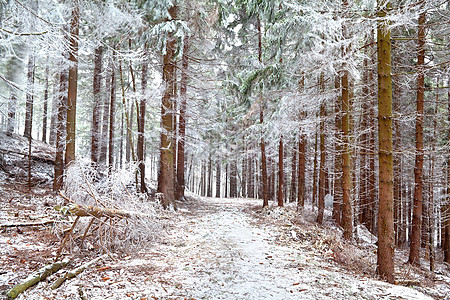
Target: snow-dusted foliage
86, 185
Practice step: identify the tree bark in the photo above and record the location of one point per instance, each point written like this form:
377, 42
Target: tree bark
280, 173
95, 126
45, 113
60, 131
141, 127
445, 211
347, 215
385, 252
263, 166
218, 179
72, 89
418, 167
30, 97
112, 114
322, 170
337, 193
293, 191
180, 183
166, 182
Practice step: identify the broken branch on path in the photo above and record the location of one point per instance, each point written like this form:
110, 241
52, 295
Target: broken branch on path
75, 272
42, 223
36, 277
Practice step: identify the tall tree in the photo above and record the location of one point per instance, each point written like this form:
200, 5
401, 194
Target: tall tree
166, 183
60, 131
112, 112
30, 97
73, 82
45, 113
418, 168
180, 183
385, 252
95, 125
141, 126
280, 173
322, 167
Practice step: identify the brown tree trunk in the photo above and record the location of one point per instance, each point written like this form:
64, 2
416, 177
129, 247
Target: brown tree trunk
72, 90
385, 253
141, 127
301, 171
314, 186
180, 183
250, 183
166, 182
30, 97
445, 210
60, 132
95, 126
218, 174
418, 167
347, 214
112, 114
293, 191
105, 118
280, 173
322, 170
265, 192
233, 178
45, 113
209, 187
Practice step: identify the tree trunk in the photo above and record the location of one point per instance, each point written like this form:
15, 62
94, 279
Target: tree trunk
314, 186
218, 179
60, 131
263, 165
418, 167
293, 191
445, 210
209, 189
180, 183
45, 113
112, 114
301, 171
141, 127
385, 252
322, 170
337, 193
54, 115
95, 126
106, 114
251, 181
347, 214
166, 182
233, 178
30, 97
72, 90
280, 173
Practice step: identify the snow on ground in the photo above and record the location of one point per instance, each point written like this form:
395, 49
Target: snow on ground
218, 249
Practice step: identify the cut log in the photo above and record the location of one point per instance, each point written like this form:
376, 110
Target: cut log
36, 277
75, 272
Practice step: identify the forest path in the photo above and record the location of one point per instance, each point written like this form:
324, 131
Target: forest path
218, 250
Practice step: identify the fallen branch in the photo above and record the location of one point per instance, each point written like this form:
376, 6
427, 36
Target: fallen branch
75, 272
36, 277
42, 223
81, 210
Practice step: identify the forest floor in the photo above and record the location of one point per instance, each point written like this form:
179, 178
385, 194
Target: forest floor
212, 249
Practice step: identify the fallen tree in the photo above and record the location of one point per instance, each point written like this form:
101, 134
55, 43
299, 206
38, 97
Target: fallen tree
75, 272
81, 210
37, 276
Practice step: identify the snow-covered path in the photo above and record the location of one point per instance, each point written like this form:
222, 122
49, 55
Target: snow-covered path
219, 249
220, 252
